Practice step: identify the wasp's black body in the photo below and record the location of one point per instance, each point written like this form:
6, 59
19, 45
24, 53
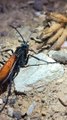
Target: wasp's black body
22, 55
21, 59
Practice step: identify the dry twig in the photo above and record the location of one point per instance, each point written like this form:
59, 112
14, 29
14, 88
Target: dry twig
56, 36
62, 102
49, 31
60, 41
57, 17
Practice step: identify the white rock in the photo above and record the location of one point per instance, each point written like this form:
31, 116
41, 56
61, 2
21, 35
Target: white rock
1, 101
59, 56
32, 74
10, 111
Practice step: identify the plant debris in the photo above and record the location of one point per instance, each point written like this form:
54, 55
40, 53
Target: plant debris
54, 33
45, 95
57, 17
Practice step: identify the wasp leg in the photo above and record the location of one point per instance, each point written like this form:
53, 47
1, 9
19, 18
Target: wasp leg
16, 73
39, 59
3, 60
9, 92
32, 51
8, 54
34, 57
1, 63
9, 78
7, 50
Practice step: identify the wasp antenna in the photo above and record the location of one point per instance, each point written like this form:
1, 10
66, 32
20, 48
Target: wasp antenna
18, 32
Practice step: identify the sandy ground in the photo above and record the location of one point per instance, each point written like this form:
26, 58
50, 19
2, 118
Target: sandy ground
46, 96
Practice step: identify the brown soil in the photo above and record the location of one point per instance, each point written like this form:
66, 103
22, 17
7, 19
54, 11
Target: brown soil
19, 13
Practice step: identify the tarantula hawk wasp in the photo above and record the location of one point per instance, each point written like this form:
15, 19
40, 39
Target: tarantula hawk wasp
18, 59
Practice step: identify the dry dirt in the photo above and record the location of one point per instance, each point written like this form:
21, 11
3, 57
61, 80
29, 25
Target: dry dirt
48, 105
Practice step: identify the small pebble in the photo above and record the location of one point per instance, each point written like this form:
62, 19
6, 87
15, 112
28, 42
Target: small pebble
4, 99
10, 111
43, 113
59, 56
17, 115
1, 101
43, 100
38, 5
12, 101
3, 34
31, 108
2, 10
37, 14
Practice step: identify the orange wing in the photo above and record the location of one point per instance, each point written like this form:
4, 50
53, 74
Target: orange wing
4, 71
